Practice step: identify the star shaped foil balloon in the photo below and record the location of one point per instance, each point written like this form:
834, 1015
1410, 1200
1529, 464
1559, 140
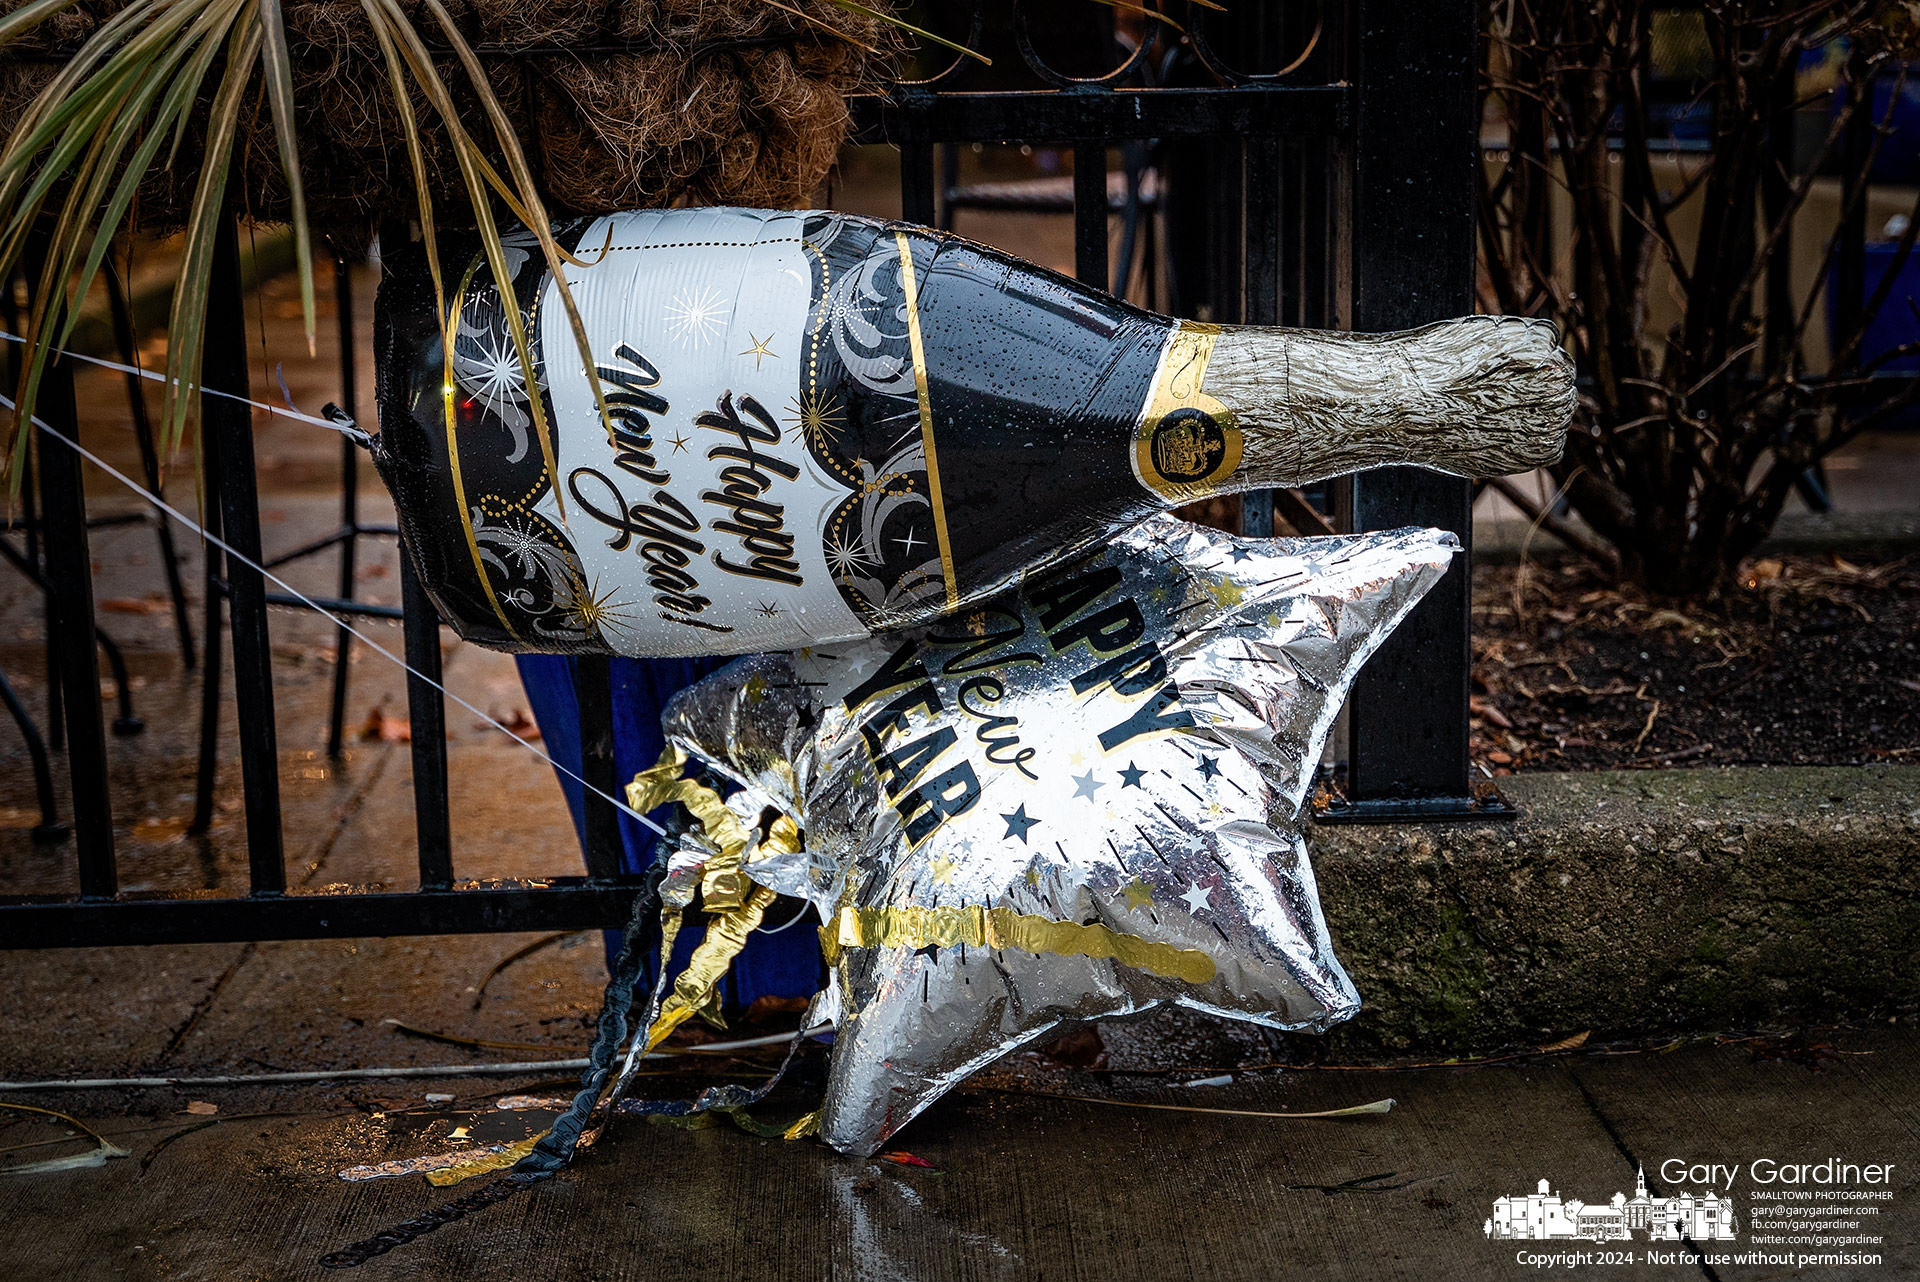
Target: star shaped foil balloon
1078, 802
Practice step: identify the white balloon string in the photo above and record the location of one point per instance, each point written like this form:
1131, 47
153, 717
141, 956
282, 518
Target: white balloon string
344, 428
805, 908
308, 601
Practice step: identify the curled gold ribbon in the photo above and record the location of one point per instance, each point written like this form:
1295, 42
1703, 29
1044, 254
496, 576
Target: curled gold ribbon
695, 992
660, 783
735, 904
914, 927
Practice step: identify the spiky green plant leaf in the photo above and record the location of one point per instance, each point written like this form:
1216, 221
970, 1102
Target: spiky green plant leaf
277, 63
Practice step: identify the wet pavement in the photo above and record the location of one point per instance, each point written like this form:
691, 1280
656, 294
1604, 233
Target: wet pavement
1018, 1186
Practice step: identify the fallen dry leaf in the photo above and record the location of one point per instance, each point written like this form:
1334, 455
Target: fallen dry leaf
1569, 1043
381, 728
158, 830
152, 603
900, 1157
201, 1108
517, 721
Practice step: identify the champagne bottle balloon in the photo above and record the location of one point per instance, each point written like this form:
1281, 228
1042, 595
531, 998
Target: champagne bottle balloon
810, 427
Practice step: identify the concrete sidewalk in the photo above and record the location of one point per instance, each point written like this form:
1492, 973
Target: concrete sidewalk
1035, 1188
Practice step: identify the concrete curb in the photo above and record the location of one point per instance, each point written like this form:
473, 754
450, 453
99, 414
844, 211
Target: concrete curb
1630, 902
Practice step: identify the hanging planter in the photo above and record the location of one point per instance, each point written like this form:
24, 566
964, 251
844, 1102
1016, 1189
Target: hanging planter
335, 115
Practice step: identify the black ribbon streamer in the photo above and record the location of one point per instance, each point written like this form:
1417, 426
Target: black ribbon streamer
556, 1149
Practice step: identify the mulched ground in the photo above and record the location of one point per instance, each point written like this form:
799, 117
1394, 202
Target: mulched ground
1809, 661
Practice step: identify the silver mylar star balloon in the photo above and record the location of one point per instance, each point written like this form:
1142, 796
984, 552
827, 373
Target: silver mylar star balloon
1078, 802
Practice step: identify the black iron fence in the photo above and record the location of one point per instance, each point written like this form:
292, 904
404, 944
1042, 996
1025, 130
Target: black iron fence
1335, 189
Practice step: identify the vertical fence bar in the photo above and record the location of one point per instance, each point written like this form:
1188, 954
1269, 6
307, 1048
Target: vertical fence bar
229, 423
213, 663
1090, 213
593, 688
1293, 227
427, 717
1413, 262
70, 626
916, 167
30, 512
1226, 238
1316, 234
349, 497
123, 337
56, 705
1260, 166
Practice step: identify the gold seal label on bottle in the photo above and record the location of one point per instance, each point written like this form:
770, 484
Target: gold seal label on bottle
1187, 444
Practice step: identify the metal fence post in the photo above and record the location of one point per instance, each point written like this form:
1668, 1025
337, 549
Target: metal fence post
229, 423
593, 688
70, 627
427, 723
1412, 233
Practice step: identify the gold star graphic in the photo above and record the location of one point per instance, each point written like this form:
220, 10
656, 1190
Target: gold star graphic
1077, 757
1138, 894
1033, 876
759, 351
1227, 592
943, 872
821, 418
756, 689
679, 443
591, 609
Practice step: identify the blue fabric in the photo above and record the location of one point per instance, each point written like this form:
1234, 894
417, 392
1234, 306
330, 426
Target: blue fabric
784, 964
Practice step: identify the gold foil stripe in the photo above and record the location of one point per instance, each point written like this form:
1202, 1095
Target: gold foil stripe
910, 286
914, 927
453, 450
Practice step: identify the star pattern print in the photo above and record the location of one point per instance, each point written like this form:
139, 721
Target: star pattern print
1093, 838
696, 319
